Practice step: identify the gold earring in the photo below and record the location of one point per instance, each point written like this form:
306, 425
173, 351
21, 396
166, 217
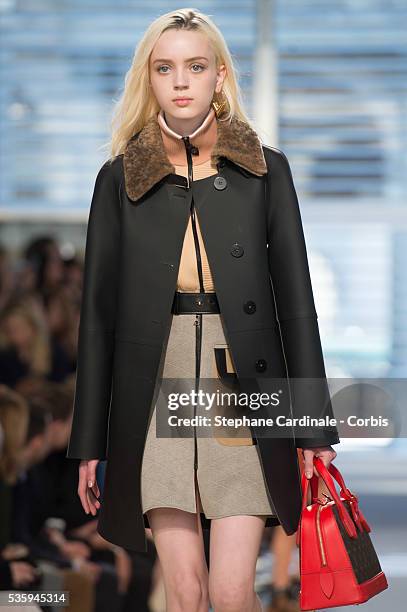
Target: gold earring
219, 106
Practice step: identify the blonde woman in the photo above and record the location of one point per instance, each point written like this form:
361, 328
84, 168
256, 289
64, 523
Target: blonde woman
27, 348
194, 246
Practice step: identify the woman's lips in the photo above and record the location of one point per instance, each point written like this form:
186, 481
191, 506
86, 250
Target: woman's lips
182, 101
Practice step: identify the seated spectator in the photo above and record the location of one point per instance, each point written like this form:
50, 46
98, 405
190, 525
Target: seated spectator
17, 570
28, 349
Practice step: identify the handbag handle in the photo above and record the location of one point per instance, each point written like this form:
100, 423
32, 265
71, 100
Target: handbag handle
343, 513
357, 513
327, 478
345, 492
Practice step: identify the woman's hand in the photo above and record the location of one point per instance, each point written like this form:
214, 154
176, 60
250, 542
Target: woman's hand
88, 489
22, 573
325, 453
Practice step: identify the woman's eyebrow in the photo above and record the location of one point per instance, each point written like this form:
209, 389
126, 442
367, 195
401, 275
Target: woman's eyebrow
187, 60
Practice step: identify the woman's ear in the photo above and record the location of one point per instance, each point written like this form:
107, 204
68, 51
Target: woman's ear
220, 78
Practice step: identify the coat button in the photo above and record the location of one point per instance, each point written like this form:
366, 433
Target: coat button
220, 182
249, 307
237, 250
261, 365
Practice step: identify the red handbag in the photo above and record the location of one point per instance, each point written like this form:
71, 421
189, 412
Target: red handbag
338, 563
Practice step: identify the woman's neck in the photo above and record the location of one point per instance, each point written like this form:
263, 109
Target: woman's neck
203, 138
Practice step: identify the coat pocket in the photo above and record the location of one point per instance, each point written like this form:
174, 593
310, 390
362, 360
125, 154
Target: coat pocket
223, 369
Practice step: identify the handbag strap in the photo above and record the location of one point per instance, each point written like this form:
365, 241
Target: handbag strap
357, 513
345, 492
313, 481
343, 513
327, 478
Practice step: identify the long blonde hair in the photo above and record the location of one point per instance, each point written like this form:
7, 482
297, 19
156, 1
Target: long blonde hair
29, 308
137, 104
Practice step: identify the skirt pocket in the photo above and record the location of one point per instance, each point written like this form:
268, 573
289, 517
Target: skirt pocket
223, 370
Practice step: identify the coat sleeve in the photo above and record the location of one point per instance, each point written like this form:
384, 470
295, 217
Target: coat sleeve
88, 439
293, 295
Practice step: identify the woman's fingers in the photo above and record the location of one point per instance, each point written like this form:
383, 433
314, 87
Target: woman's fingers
92, 499
326, 454
83, 472
308, 462
93, 489
88, 489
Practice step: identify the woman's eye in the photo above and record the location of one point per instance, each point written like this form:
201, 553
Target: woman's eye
159, 69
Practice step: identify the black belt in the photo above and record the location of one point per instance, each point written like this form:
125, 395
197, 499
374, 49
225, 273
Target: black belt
195, 303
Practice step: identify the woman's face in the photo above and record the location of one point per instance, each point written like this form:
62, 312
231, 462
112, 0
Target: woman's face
182, 63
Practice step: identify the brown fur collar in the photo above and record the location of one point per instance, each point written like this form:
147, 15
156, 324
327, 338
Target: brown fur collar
145, 161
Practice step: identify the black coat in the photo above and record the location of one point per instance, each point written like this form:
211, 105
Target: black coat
253, 236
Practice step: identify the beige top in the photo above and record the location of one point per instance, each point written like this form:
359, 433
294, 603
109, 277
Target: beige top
204, 137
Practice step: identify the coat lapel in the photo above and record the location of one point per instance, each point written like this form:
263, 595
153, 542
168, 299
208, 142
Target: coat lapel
145, 161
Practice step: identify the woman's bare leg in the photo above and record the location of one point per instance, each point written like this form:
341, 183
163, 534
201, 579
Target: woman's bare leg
178, 539
234, 549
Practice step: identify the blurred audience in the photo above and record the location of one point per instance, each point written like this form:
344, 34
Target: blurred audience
46, 539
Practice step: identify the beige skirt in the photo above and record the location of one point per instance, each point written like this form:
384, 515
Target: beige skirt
229, 478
